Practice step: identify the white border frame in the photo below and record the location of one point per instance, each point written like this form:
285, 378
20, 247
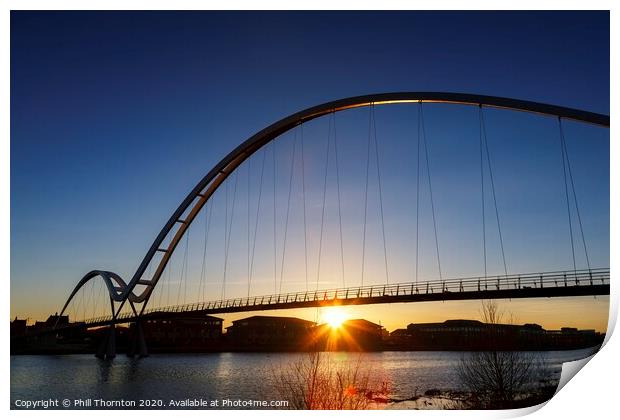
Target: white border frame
592, 395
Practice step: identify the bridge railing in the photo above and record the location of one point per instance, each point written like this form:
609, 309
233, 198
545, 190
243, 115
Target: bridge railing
458, 285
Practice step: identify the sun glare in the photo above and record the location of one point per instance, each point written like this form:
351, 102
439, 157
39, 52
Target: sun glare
334, 317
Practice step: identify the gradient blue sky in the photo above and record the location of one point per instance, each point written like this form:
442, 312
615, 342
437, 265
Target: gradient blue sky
115, 116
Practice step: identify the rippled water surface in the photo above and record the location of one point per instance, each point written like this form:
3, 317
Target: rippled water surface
229, 375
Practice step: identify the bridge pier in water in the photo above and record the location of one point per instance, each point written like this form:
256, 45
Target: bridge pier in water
138, 343
136, 346
107, 346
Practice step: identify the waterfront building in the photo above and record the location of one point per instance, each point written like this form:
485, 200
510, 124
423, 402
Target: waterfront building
18, 327
180, 334
460, 334
269, 333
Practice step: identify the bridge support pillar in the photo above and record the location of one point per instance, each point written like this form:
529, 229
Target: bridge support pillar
138, 343
107, 347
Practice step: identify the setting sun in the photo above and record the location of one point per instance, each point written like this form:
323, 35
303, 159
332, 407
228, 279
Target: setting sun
334, 316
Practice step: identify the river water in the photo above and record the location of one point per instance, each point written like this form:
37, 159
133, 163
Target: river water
234, 376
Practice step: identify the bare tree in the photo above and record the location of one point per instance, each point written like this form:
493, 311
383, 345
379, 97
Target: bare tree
315, 382
498, 378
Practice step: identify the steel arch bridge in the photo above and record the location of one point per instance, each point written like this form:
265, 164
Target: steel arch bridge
137, 291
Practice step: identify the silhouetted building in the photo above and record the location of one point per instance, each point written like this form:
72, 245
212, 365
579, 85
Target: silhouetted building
41, 338
367, 335
182, 334
18, 327
573, 338
398, 338
463, 334
269, 333
57, 320
50, 322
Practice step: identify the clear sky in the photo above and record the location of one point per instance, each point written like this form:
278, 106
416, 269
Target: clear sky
116, 116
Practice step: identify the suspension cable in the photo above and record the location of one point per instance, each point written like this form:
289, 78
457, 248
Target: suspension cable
417, 197
366, 192
83, 304
99, 294
156, 296
303, 187
484, 233
387, 276
168, 283
76, 308
181, 276
161, 288
499, 228
152, 292
288, 208
318, 270
72, 308
260, 194
203, 270
182, 283
570, 222
226, 200
249, 167
275, 259
227, 243
430, 188
570, 174
91, 296
210, 215
186, 268
339, 203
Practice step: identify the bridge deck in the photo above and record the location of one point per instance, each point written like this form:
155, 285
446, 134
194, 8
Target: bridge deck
551, 284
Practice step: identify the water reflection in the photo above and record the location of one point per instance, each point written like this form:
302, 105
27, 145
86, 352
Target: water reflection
226, 375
